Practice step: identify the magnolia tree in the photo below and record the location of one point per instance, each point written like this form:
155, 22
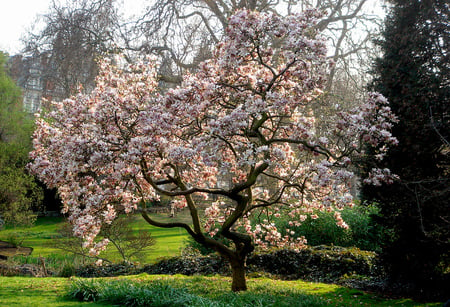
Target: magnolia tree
240, 131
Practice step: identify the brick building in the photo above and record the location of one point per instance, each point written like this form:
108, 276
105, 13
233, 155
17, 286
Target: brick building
30, 73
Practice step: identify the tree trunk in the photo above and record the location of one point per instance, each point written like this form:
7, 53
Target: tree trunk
238, 275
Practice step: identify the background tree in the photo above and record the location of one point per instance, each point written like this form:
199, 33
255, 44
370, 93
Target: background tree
245, 117
414, 75
75, 35
18, 190
183, 33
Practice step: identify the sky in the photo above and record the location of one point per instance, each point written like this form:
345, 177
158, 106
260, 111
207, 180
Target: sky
16, 17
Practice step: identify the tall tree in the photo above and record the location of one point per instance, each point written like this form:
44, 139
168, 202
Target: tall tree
244, 118
184, 32
75, 35
18, 190
414, 75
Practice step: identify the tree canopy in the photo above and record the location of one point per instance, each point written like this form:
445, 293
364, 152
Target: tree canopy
236, 144
18, 190
414, 75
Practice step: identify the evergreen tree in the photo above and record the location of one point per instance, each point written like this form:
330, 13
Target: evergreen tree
18, 190
414, 75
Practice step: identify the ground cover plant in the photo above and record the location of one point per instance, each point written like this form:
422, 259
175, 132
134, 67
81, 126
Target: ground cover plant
245, 119
206, 291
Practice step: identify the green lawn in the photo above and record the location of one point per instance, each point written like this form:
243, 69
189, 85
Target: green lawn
25, 291
168, 241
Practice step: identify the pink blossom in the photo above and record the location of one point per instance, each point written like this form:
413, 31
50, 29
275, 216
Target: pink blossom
241, 130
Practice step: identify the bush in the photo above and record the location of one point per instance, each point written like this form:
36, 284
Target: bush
189, 264
323, 231
107, 270
320, 263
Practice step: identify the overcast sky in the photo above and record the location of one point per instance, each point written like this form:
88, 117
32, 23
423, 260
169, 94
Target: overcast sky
16, 16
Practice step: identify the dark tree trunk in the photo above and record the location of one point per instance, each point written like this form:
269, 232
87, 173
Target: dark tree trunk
238, 275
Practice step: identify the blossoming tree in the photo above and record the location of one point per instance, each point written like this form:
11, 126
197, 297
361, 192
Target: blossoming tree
241, 131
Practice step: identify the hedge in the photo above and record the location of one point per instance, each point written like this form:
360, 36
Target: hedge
318, 263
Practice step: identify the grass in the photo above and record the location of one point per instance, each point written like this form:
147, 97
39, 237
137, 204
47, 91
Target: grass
191, 290
168, 241
197, 290
27, 291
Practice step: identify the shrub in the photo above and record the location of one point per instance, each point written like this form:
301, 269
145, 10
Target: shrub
189, 264
320, 263
107, 270
323, 231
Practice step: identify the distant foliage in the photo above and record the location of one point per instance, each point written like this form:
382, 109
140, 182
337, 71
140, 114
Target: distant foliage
19, 193
189, 264
321, 229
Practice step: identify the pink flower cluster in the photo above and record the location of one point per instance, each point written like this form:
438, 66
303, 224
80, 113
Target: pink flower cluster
243, 127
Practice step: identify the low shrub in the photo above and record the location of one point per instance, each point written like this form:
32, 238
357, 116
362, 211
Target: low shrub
320, 263
189, 264
106, 270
